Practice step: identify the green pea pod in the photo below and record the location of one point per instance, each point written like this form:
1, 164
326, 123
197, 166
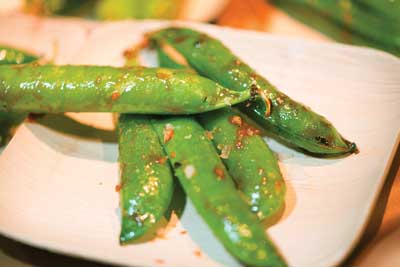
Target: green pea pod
10, 120
287, 119
206, 182
146, 180
10, 55
138, 9
349, 14
250, 162
107, 89
248, 158
384, 8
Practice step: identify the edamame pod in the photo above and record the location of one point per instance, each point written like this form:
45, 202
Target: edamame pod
107, 89
146, 180
206, 182
289, 120
247, 157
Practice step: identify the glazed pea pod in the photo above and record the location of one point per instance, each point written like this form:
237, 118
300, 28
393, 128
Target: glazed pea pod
10, 120
146, 180
10, 55
289, 120
107, 89
250, 162
248, 158
206, 182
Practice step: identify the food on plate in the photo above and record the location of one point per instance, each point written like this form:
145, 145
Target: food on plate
10, 55
217, 154
249, 160
108, 89
10, 120
278, 114
354, 21
208, 184
146, 184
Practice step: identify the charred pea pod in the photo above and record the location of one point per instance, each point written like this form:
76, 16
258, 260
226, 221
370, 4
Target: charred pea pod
247, 157
146, 184
287, 119
207, 183
10, 120
107, 89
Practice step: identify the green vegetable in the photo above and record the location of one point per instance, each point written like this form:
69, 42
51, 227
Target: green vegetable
352, 22
10, 55
146, 180
351, 15
249, 160
10, 120
206, 182
287, 119
138, 9
106, 89
247, 157
385, 8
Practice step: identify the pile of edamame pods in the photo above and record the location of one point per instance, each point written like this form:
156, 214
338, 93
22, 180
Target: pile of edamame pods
198, 120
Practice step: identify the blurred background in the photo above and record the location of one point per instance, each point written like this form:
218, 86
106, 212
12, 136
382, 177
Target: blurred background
373, 23
370, 23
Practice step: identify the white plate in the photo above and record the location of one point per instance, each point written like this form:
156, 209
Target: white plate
57, 189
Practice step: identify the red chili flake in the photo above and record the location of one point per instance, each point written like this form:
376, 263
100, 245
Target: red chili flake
133, 51
219, 172
183, 232
245, 130
159, 261
278, 186
163, 74
209, 135
173, 155
197, 253
237, 62
236, 120
161, 160
115, 95
118, 187
180, 39
32, 117
168, 132
129, 53
254, 75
